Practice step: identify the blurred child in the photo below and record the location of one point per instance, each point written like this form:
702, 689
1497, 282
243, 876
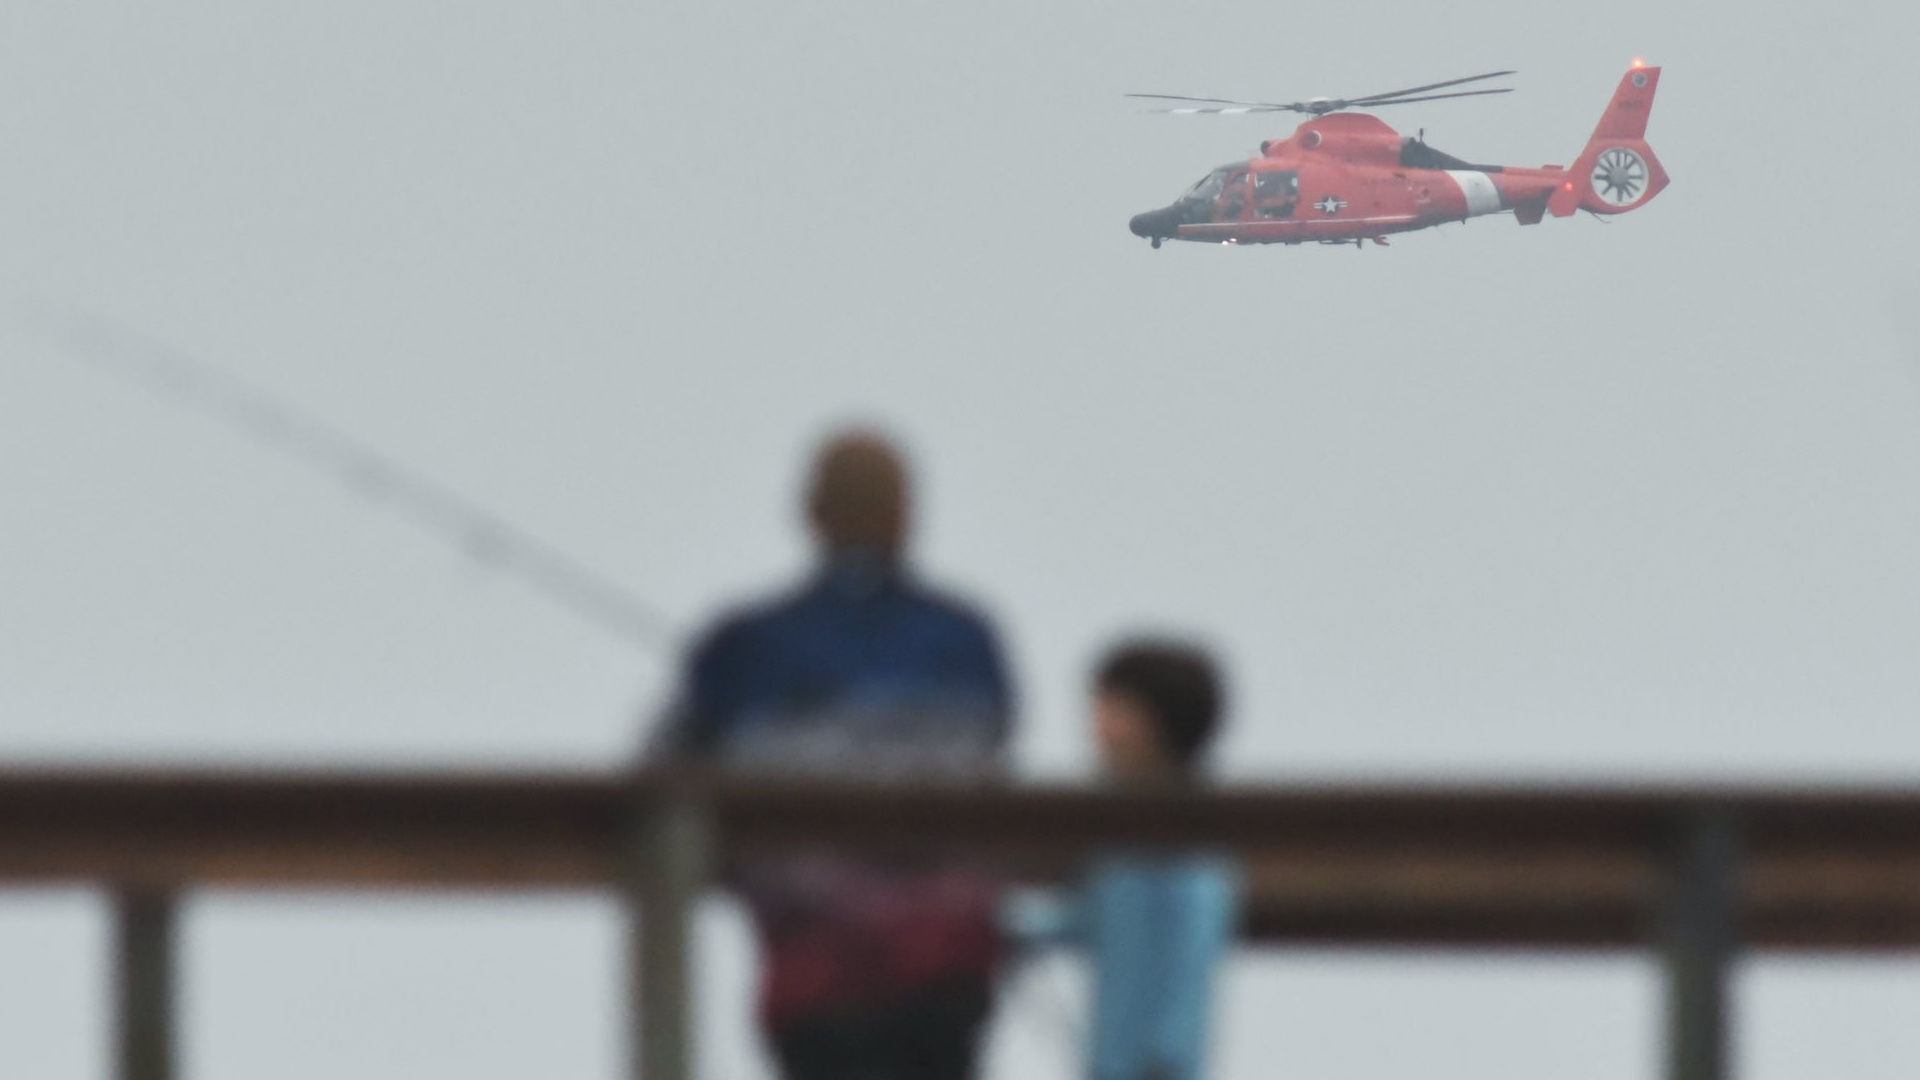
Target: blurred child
1154, 923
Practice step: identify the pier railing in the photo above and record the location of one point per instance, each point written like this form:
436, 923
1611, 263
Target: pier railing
1695, 875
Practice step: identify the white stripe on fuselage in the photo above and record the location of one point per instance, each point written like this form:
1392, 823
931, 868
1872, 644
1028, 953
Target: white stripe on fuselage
1482, 196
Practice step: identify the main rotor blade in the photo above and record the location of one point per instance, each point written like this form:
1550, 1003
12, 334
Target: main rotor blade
1217, 101
1433, 97
1320, 107
1224, 110
1430, 86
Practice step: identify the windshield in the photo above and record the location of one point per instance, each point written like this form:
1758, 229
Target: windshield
1209, 186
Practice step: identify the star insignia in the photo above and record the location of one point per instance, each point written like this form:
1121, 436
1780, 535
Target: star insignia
1330, 205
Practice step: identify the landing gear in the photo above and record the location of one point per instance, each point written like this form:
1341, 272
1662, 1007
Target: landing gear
1156, 243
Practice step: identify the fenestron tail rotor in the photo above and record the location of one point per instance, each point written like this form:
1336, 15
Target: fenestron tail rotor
1619, 176
1323, 106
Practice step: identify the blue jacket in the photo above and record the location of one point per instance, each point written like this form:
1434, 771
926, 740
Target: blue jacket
859, 668
861, 672
1156, 927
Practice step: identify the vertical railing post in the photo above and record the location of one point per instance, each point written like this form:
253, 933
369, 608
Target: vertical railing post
1699, 943
143, 929
668, 865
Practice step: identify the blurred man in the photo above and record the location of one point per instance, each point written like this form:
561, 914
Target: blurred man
1155, 923
874, 968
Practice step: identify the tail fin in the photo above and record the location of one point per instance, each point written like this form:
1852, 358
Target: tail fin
1617, 172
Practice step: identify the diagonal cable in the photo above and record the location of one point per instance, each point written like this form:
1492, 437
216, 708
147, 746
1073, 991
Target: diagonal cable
371, 474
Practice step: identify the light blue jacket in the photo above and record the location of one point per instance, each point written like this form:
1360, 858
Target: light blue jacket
1155, 927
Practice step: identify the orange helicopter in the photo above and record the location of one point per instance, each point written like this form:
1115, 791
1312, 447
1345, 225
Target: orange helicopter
1346, 178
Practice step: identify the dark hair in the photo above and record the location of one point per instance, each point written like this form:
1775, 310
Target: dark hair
859, 492
1176, 683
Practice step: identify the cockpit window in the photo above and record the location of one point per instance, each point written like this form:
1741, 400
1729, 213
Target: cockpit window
1208, 187
1219, 196
1233, 202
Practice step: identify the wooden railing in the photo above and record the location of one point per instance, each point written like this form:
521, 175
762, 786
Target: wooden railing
1696, 874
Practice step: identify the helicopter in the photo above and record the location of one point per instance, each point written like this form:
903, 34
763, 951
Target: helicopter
1347, 178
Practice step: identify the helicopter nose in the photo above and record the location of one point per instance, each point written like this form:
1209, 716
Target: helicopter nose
1153, 225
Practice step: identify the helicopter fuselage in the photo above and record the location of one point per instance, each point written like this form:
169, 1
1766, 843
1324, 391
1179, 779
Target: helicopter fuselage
1347, 177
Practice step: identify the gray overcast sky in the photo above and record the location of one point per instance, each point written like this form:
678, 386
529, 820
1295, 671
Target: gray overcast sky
1636, 499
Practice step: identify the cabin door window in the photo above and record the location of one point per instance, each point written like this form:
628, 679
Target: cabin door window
1276, 193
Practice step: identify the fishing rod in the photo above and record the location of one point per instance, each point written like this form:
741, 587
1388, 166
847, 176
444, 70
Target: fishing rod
370, 473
